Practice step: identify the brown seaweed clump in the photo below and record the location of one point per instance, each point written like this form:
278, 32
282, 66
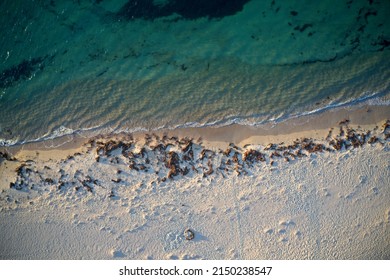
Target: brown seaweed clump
253, 155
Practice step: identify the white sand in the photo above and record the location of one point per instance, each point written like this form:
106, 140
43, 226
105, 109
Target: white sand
328, 205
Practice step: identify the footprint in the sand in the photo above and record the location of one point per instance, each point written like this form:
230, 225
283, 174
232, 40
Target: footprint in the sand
172, 257
325, 192
285, 231
191, 257
117, 254
173, 240
183, 257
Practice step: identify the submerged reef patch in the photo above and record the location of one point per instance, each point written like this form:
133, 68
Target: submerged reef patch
152, 9
22, 71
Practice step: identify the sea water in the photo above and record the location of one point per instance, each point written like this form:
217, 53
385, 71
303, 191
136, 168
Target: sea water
109, 66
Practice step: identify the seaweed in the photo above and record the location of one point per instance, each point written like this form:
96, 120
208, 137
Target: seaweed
22, 71
149, 10
382, 42
303, 27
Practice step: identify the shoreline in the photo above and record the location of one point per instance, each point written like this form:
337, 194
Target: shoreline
314, 126
236, 188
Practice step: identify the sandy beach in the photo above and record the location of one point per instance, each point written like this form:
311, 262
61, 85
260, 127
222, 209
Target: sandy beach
316, 187
212, 130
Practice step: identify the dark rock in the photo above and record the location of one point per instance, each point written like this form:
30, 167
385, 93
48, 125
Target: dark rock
189, 234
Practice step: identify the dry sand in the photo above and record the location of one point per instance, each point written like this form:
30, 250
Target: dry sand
101, 201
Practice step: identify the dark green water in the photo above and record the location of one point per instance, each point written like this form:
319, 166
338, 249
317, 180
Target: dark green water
108, 66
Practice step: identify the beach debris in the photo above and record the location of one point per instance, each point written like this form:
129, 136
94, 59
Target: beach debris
328, 137
114, 160
24, 174
385, 126
342, 133
194, 169
189, 234
270, 147
6, 156
210, 169
310, 146
60, 185
143, 152
133, 166
160, 148
206, 153
87, 183
299, 154
289, 154
148, 139
253, 155
227, 151
185, 171
344, 122
49, 181
275, 154
173, 164
156, 137
337, 144
234, 147
235, 157
12, 185
170, 158
109, 147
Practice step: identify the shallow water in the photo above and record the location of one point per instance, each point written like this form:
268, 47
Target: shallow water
70, 66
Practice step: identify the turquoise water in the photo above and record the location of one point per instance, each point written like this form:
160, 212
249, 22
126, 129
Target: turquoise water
109, 66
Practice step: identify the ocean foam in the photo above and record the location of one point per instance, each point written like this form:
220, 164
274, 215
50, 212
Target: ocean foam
372, 99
